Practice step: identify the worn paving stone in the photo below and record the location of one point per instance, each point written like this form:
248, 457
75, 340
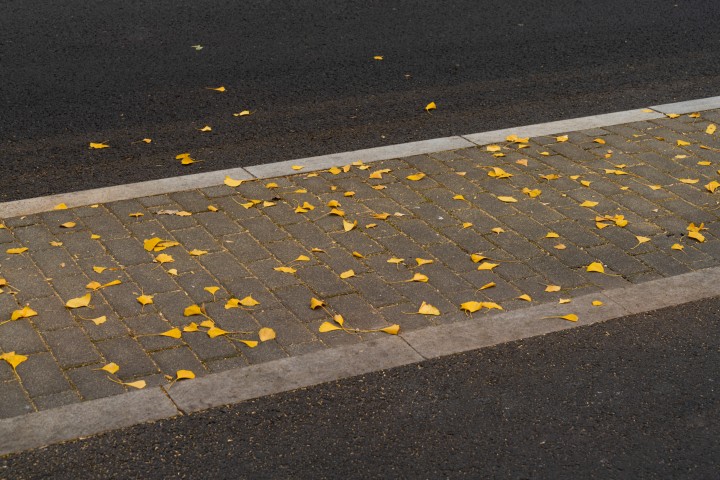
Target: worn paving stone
425, 221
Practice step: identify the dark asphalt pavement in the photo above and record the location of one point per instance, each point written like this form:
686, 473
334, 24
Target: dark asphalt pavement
633, 398
75, 72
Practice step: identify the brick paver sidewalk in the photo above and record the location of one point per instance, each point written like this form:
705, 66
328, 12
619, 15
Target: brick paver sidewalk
65, 349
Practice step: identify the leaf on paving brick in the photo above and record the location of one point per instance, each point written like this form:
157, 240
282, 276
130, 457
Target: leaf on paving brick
79, 302
493, 148
416, 177
672, 115
589, 203
552, 288
600, 141
209, 323
347, 226
467, 225
140, 384
98, 145
641, 240
697, 236
712, 186
596, 303
615, 172
184, 375
14, 359
358, 255
172, 271
164, 258
677, 246
266, 334
498, 172
418, 277
682, 143
545, 154
377, 174
25, 312
285, 269
94, 286
111, 368
191, 327
427, 309
192, 310
315, 303
381, 216
302, 258
507, 199
552, 235
711, 129
585, 183
145, 299
68, 225
571, 317
395, 260
212, 208
690, 181
458, 197
487, 285
150, 243
563, 301
334, 170
522, 161
328, 327
423, 261
471, 306
531, 193
98, 320
269, 204
596, 267
347, 274
561, 138
550, 176
211, 290
196, 253
249, 343
16, 251
244, 113
136, 215
560, 246
56, 244
214, 332
525, 297
477, 257
391, 330
339, 319
487, 266
704, 163
271, 185
231, 182
317, 250
336, 211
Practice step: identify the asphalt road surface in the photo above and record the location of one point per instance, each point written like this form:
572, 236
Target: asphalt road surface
76, 72
632, 398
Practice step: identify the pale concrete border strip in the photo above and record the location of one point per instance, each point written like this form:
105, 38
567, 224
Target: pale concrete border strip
564, 126
690, 106
210, 179
96, 416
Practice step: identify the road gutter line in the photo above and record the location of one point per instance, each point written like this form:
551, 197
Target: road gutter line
209, 179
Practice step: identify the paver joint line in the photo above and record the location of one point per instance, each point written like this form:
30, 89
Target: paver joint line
621, 194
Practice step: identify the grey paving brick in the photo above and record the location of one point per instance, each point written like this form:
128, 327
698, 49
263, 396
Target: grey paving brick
108, 227
55, 262
127, 212
128, 355
194, 285
207, 349
252, 286
323, 281
123, 299
224, 266
55, 400
218, 224
146, 329
296, 298
151, 278
223, 364
13, 401
289, 329
191, 201
377, 292
245, 248
41, 375
181, 358
617, 260
662, 263
264, 352
30, 284
197, 238
128, 251
20, 336
71, 347
35, 237
263, 229
92, 383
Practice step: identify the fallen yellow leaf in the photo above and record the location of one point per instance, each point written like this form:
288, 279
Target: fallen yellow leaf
487, 266
217, 89
231, 182
111, 368
172, 333
192, 310
588, 203
430, 106
315, 303
525, 297
328, 327
347, 226
596, 303
507, 199
418, 277
184, 375
79, 302
711, 129
98, 145
552, 288
596, 267
427, 309
196, 253
266, 334
347, 274
416, 177
391, 330
13, 359
145, 299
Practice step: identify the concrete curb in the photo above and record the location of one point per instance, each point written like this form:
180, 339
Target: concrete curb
201, 180
96, 416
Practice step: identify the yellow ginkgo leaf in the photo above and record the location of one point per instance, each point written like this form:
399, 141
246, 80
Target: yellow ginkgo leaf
244, 113
111, 368
600, 141
146, 140
214, 332
99, 320
690, 181
507, 199
68, 225
347, 274
471, 306
560, 246
164, 258
550, 176
192, 310
525, 297
561, 138
140, 384
184, 375
94, 237
563, 301
16, 251
416, 177
172, 271
552, 235
588, 203
641, 240
347, 226
430, 106
79, 302
493, 148
671, 115
206, 128
487, 285
336, 211
196, 253
571, 317
339, 319
211, 290
596, 267
476, 257
427, 309
682, 143
585, 183
615, 172
704, 163
285, 269
677, 246
98, 145
212, 208
315, 303
328, 327
231, 182
217, 89
498, 172
458, 197
184, 158
391, 330
358, 255
467, 225
150, 243
596, 303
25, 312
531, 193
423, 261
395, 260
14, 359
266, 334
207, 323
191, 327
697, 236
487, 266
60, 206
418, 277
552, 288
145, 299
711, 129
302, 258
712, 186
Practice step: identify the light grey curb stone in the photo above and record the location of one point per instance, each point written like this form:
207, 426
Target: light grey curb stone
83, 419
690, 106
366, 156
563, 126
286, 374
121, 192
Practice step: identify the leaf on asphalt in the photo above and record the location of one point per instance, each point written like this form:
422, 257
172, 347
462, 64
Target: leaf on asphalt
25, 312
525, 297
712, 186
217, 89
347, 274
184, 158
231, 182
145, 299
16, 251
507, 199
552, 288
79, 302
430, 106
427, 309
487, 266
244, 113
192, 310
111, 368
690, 181
418, 277
99, 145
206, 128
347, 226
266, 334
315, 303
588, 203
416, 177
14, 359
